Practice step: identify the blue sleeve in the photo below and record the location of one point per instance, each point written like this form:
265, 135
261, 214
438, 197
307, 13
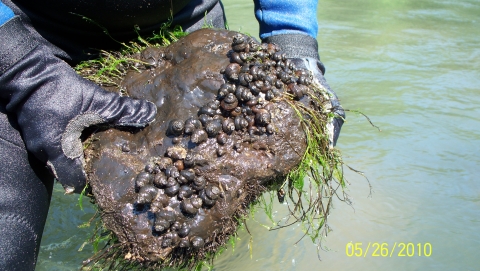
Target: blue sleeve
5, 13
287, 17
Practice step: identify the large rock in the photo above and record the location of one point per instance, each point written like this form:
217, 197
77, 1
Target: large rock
170, 195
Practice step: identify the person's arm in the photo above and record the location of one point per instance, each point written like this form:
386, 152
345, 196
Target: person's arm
293, 25
53, 105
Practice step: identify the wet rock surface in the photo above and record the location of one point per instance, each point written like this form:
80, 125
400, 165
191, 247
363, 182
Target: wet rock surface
223, 131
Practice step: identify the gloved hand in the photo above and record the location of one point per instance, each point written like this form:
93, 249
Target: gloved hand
335, 124
303, 51
53, 105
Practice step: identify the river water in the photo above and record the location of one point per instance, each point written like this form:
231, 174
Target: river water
413, 67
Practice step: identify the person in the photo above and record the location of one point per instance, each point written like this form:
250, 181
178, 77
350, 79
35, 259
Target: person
45, 105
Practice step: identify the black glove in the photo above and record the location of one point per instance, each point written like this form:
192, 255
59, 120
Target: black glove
303, 51
53, 105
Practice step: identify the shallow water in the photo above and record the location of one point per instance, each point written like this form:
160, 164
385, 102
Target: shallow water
414, 68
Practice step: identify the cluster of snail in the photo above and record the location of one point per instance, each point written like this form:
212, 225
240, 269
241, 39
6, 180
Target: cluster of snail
161, 186
256, 76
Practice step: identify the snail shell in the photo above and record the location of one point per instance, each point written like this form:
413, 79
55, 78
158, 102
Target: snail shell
222, 138
228, 126
207, 111
189, 160
155, 206
191, 124
160, 180
229, 102
143, 179
235, 57
185, 192
269, 95
199, 136
213, 128
172, 171
179, 164
184, 243
212, 192
243, 94
164, 162
163, 199
175, 127
296, 90
166, 242
239, 47
238, 39
176, 152
240, 123
270, 128
204, 118
244, 79
188, 208
188, 174
236, 112
197, 242
232, 70
262, 117
181, 180
221, 151
184, 230
151, 168
147, 194
207, 201
196, 202
175, 226
161, 225
172, 189
199, 183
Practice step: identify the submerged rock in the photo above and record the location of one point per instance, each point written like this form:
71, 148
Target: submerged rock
223, 131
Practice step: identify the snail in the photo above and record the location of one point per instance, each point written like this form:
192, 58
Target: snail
199, 183
184, 192
262, 117
172, 171
175, 127
206, 200
146, 194
240, 123
188, 174
189, 160
235, 58
184, 243
160, 180
163, 162
161, 225
191, 124
188, 208
213, 128
143, 179
199, 136
232, 70
212, 192
197, 242
184, 231
222, 138
229, 102
172, 187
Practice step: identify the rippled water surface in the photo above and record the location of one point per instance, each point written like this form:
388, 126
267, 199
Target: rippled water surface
414, 68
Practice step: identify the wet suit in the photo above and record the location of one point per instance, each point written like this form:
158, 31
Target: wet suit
37, 40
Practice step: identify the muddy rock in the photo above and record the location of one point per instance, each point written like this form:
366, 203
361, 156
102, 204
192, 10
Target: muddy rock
223, 131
